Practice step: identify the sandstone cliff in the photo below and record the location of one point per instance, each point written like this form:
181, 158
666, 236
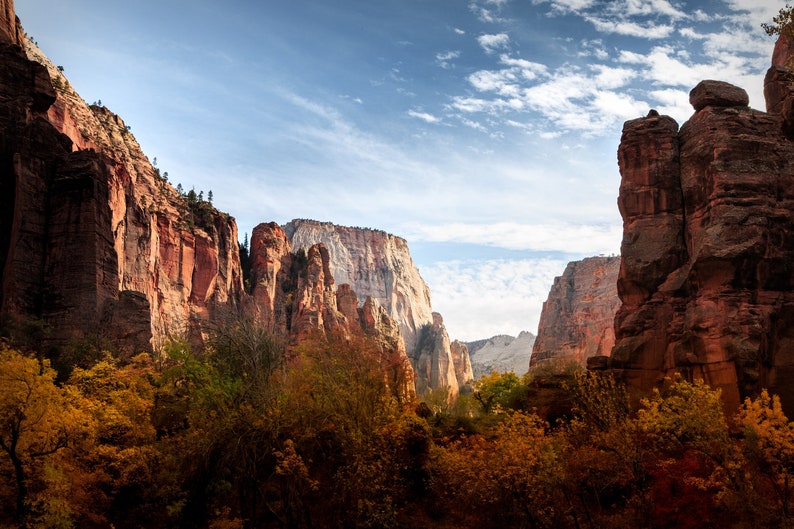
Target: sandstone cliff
502, 354
708, 245
378, 265
374, 263
296, 296
92, 239
577, 320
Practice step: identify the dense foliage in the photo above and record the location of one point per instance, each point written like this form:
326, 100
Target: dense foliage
243, 436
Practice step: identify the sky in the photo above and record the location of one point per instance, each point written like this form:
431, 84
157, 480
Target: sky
484, 132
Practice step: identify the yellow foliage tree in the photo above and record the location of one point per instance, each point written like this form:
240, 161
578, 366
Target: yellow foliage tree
37, 419
769, 443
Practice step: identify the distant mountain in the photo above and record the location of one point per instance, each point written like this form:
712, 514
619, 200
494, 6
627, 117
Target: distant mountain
501, 353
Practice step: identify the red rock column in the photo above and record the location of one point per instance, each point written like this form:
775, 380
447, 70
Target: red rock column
651, 204
9, 32
652, 250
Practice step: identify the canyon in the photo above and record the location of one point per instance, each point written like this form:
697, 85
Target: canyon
97, 245
95, 242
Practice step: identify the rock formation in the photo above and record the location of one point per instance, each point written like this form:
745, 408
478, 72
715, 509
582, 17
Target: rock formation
707, 273
375, 264
295, 296
378, 265
434, 369
502, 354
92, 239
577, 320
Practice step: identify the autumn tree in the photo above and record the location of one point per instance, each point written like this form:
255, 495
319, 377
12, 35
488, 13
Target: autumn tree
498, 392
37, 419
509, 480
769, 446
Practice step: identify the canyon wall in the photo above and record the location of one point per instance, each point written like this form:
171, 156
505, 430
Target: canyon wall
296, 296
378, 265
707, 275
577, 319
94, 241
375, 264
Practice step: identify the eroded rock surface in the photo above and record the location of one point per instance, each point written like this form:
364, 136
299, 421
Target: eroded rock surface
577, 320
378, 265
707, 276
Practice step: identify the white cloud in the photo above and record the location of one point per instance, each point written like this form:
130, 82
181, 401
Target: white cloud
672, 102
631, 29
424, 116
491, 43
633, 8
567, 6
443, 59
459, 31
560, 237
487, 14
480, 299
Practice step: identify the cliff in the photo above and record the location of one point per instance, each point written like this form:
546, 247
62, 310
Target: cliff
296, 296
577, 319
93, 241
708, 242
502, 354
378, 265
375, 264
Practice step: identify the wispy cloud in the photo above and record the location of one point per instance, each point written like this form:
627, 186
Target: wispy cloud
559, 237
463, 292
444, 59
488, 10
649, 30
491, 43
424, 116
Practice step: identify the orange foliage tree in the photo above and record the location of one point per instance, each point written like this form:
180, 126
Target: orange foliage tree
37, 419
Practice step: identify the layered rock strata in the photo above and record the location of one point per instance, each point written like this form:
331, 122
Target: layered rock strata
707, 276
295, 296
577, 319
375, 264
92, 240
501, 353
378, 265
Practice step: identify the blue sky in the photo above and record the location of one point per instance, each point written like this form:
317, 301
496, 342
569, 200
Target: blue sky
483, 131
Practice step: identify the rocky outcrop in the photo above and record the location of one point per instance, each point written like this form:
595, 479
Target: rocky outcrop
462, 363
10, 30
378, 265
375, 264
707, 276
501, 353
577, 320
92, 239
295, 296
432, 359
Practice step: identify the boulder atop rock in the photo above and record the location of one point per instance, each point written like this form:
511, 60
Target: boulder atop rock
717, 94
707, 281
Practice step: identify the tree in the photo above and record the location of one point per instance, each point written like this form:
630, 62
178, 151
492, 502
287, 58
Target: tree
499, 391
37, 418
769, 444
782, 24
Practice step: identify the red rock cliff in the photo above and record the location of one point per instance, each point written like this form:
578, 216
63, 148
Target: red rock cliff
577, 320
707, 276
92, 239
